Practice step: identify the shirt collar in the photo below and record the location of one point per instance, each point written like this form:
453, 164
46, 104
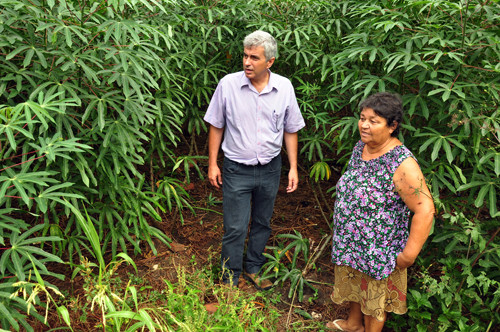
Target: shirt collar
271, 84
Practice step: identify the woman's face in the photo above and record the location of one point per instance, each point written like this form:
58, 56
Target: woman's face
373, 128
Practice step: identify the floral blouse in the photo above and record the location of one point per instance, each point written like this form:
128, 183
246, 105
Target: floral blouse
370, 219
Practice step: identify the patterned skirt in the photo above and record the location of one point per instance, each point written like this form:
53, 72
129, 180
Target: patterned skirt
374, 296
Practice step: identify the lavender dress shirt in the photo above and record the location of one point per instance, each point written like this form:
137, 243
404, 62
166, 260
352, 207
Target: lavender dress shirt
254, 122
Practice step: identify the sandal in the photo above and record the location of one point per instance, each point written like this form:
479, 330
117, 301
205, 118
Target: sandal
334, 325
261, 285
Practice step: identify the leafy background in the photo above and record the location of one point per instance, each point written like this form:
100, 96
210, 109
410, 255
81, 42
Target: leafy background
97, 96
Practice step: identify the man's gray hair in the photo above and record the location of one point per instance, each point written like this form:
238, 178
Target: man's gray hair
264, 39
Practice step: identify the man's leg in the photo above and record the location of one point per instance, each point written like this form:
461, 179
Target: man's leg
237, 186
263, 197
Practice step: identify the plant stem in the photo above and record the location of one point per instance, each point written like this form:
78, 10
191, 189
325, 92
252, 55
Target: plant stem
291, 306
330, 210
319, 203
317, 253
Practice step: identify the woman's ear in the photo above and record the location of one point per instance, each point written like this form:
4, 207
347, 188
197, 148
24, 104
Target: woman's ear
393, 126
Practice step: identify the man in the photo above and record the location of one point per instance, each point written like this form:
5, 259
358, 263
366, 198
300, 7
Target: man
254, 110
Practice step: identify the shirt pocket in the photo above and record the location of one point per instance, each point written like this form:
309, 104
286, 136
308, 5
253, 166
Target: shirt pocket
231, 117
278, 120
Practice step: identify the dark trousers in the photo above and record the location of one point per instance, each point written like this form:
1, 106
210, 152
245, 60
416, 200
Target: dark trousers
248, 192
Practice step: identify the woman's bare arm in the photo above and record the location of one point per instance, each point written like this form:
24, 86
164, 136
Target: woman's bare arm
410, 184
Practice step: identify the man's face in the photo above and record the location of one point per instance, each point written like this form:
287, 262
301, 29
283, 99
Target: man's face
255, 64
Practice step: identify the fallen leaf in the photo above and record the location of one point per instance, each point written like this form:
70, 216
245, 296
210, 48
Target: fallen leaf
211, 307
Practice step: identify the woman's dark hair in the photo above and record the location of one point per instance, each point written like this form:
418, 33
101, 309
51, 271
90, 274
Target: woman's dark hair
387, 105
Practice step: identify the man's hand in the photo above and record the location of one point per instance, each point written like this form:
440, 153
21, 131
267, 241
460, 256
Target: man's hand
293, 180
214, 140
214, 176
292, 142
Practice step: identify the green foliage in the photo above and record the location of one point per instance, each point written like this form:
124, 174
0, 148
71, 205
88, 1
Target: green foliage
14, 309
443, 69
99, 286
320, 170
284, 266
465, 284
95, 96
173, 194
18, 262
84, 88
179, 305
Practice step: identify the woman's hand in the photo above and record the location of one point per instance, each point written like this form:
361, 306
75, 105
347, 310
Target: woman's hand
402, 261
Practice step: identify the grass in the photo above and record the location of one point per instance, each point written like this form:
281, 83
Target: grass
149, 304
179, 305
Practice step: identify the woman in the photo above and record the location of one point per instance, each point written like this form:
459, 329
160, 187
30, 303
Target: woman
371, 244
